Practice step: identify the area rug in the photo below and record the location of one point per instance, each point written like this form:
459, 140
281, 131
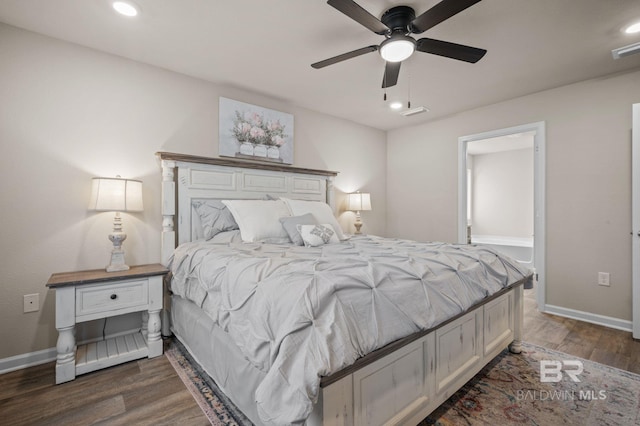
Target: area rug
213, 402
511, 390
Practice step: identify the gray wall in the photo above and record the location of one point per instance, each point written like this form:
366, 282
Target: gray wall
588, 184
502, 193
70, 113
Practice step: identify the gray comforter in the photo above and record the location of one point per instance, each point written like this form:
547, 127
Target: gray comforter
301, 313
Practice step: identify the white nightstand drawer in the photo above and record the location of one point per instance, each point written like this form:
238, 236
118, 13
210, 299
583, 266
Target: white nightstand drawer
112, 298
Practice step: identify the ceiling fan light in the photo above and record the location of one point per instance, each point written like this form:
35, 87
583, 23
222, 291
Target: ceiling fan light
397, 49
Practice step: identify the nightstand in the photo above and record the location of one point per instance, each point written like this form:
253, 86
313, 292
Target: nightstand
89, 295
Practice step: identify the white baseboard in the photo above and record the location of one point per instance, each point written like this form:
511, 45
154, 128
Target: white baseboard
606, 321
30, 359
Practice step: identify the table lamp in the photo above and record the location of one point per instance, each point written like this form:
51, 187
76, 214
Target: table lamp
359, 201
116, 195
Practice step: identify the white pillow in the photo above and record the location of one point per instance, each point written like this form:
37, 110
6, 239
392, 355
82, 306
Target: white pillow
320, 211
259, 220
317, 235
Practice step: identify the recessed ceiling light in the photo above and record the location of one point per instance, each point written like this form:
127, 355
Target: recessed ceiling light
633, 28
395, 105
125, 8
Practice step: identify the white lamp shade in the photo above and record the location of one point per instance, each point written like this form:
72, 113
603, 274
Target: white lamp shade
360, 201
116, 194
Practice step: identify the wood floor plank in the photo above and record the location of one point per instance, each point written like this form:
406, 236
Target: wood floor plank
77, 395
634, 367
615, 341
576, 349
174, 408
555, 331
132, 393
103, 409
149, 390
27, 380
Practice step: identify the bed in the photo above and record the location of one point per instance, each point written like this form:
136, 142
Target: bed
394, 367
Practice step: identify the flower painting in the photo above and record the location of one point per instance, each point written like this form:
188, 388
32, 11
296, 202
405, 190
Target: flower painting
252, 132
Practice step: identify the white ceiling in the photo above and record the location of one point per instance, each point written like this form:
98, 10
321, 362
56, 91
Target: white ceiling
268, 46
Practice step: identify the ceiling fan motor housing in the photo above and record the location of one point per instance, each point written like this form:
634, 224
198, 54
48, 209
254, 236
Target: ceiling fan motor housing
398, 19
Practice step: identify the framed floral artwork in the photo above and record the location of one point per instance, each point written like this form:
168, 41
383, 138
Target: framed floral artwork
256, 133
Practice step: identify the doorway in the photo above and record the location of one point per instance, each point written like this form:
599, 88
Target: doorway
523, 239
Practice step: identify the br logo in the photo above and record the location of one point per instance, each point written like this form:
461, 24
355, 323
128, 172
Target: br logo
551, 371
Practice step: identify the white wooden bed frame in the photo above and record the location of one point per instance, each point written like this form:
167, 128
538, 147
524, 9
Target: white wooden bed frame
398, 384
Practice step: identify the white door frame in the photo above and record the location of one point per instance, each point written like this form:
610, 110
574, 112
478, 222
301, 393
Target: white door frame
635, 223
539, 240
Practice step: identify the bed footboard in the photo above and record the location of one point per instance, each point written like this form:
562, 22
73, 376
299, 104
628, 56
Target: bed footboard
404, 386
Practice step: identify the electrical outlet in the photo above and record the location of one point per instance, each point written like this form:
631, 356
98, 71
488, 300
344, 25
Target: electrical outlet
31, 302
603, 279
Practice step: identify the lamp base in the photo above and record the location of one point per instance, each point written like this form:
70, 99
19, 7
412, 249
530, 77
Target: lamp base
117, 261
358, 223
358, 226
117, 254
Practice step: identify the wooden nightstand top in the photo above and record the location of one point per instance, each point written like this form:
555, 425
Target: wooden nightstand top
100, 275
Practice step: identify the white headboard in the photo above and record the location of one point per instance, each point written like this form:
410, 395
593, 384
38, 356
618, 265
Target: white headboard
186, 178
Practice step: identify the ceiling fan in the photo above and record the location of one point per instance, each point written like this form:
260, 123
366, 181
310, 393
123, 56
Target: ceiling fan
396, 25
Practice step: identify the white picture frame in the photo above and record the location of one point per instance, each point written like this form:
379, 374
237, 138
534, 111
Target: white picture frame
256, 133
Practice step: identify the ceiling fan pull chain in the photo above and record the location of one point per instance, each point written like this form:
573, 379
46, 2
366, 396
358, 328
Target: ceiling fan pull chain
384, 85
408, 91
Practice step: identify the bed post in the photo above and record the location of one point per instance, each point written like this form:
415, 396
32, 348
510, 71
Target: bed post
168, 210
168, 231
331, 199
516, 346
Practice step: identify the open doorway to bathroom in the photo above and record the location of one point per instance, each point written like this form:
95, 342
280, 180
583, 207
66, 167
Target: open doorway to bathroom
501, 195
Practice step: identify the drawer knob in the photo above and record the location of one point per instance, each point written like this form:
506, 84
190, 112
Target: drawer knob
114, 296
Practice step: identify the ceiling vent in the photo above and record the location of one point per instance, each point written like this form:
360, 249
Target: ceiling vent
414, 111
626, 51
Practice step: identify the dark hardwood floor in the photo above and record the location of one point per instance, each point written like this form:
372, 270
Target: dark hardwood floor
149, 391
144, 392
597, 343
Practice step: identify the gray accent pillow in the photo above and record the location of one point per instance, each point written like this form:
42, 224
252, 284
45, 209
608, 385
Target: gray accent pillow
215, 217
290, 224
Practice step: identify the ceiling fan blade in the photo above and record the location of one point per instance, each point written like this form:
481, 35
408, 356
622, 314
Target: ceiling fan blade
360, 15
438, 13
450, 50
391, 72
344, 56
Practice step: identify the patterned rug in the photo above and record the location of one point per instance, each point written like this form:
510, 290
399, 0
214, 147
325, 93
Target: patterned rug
508, 391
